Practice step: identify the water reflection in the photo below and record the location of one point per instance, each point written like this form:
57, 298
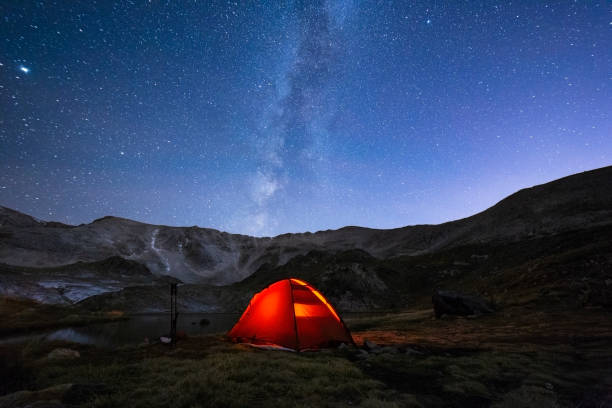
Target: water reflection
136, 329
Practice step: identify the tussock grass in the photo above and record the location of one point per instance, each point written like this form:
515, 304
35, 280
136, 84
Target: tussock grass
227, 375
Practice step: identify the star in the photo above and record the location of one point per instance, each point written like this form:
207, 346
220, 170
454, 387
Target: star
263, 112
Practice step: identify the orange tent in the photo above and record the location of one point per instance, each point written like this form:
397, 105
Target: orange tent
291, 314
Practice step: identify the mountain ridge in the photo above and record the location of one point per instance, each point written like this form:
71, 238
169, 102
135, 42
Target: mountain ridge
607, 170
195, 255
206, 254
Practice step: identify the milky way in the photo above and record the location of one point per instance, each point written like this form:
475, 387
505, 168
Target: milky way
296, 116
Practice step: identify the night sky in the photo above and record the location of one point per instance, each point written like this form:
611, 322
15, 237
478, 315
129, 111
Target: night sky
296, 116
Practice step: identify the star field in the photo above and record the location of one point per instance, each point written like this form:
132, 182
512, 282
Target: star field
296, 116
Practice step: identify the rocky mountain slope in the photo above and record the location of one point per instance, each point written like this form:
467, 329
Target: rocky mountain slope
567, 270
360, 268
72, 283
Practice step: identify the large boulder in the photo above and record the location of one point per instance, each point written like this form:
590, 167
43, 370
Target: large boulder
458, 304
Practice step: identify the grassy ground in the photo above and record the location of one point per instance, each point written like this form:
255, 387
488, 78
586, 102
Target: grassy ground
520, 357
511, 359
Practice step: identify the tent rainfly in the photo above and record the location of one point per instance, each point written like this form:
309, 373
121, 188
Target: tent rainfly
290, 314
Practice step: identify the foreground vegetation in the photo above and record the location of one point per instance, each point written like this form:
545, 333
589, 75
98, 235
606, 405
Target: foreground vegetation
509, 359
549, 344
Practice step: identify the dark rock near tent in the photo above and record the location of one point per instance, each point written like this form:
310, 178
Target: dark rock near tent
347, 350
458, 304
347, 347
386, 350
410, 350
204, 322
370, 346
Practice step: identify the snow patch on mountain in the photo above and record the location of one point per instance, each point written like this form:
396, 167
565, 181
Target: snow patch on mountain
155, 249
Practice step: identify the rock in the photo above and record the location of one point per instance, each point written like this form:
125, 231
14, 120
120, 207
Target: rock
63, 354
165, 340
410, 350
81, 393
342, 346
377, 349
204, 322
362, 354
370, 346
387, 350
453, 303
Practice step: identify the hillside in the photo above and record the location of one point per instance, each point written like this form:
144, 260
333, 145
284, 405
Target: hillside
201, 255
359, 268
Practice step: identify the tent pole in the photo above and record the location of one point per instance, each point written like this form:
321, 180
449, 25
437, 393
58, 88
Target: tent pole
297, 340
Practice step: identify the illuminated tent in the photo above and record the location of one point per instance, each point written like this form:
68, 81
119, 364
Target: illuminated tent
291, 314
